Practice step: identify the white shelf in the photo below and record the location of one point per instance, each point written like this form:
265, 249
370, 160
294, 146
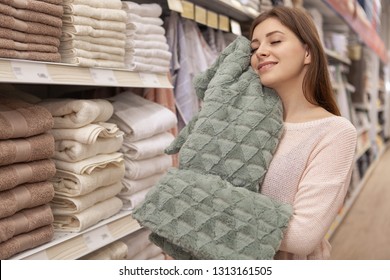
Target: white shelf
32, 72
70, 246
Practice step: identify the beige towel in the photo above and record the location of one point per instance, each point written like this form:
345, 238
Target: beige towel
150, 37
91, 47
73, 53
94, 23
87, 166
13, 45
112, 4
21, 119
25, 221
140, 118
131, 17
89, 217
30, 55
137, 241
25, 241
142, 67
147, 253
113, 251
163, 62
25, 196
144, 10
74, 113
133, 186
158, 257
28, 172
72, 185
72, 151
87, 62
148, 147
149, 29
32, 16
150, 45
17, 36
132, 201
63, 205
83, 30
156, 53
106, 41
28, 26
26, 149
96, 13
39, 6
137, 169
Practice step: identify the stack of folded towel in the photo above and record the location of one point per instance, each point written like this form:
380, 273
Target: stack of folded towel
89, 167
93, 33
253, 4
114, 251
146, 125
30, 29
26, 220
147, 49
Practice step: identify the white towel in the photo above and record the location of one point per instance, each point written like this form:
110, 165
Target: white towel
138, 169
87, 62
145, 10
111, 4
74, 113
87, 166
89, 217
151, 60
92, 47
87, 134
148, 147
73, 151
133, 186
137, 44
83, 30
96, 24
150, 37
142, 67
106, 41
62, 205
140, 118
96, 13
149, 29
71, 184
166, 55
73, 53
132, 201
131, 17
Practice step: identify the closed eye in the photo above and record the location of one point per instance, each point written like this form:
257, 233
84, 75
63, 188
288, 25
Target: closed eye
275, 42
253, 50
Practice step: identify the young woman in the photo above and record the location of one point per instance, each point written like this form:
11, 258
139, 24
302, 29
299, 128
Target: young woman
312, 166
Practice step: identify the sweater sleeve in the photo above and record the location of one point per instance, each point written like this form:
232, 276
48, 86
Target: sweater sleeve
321, 192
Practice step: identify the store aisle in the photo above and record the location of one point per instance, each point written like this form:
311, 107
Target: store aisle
364, 234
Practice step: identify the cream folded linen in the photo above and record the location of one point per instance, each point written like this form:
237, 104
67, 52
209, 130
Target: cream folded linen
140, 118
112, 4
138, 169
87, 62
89, 217
148, 147
95, 13
72, 53
46, 7
22, 37
113, 251
84, 30
165, 55
132, 201
142, 67
73, 151
148, 252
155, 61
136, 241
62, 205
25, 221
91, 47
74, 113
158, 257
94, 23
137, 44
131, 17
106, 41
87, 166
149, 29
144, 10
87, 134
150, 37
132, 186
72, 185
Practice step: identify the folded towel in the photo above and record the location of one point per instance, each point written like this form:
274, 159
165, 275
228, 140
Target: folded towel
90, 47
114, 46
30, 55
150, 37
131, 17
94, 23
113, 251
133, 186
25, 196
70, 184
28, 172
144, 10
155, 61
74, 113
136, 241
63, 205
82, 30
88, 165
89, 217
21, 119
166, 55
148, 147
32, 16
148, 252
133, 200
46, 7
73, 53
88, 62
158, 257
148, 29
25, 221
73, 151
25, 241
138, 169
112, 4
28, 26
96, 13
140, 118
157, 45
142, 67
13, 45
7, 33
26, 149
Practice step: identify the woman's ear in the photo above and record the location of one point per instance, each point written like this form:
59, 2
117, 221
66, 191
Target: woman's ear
307, 55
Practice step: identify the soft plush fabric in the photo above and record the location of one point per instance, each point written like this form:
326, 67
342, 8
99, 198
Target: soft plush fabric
210, 207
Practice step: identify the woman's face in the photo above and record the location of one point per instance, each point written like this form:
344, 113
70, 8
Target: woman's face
278, 56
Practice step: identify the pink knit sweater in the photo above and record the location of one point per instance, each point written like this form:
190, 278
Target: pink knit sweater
311, 170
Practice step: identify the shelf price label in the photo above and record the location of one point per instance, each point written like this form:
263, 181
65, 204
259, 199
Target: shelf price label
212, 19
236, 27
98, 238
149, 80
31, 72
188, 10
200, 15
103, 76
223, 23
175, 5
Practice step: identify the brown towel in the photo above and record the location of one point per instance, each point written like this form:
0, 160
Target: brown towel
7, 33
38, 6
13, 45
27, 15
25, 221
29, 172
38, 56
25, 196
26, 241
26, 149
21, 119
28, 26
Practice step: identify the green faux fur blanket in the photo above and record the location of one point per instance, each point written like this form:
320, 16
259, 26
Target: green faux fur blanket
211, 207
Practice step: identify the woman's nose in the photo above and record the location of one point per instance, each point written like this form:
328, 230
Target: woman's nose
262, 51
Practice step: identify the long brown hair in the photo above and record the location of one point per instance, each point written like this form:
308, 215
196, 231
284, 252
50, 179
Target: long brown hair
316, 87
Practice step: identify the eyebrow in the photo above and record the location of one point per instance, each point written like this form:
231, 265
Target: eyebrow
268, 34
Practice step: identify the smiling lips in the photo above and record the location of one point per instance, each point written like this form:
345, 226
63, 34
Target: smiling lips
265, 65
